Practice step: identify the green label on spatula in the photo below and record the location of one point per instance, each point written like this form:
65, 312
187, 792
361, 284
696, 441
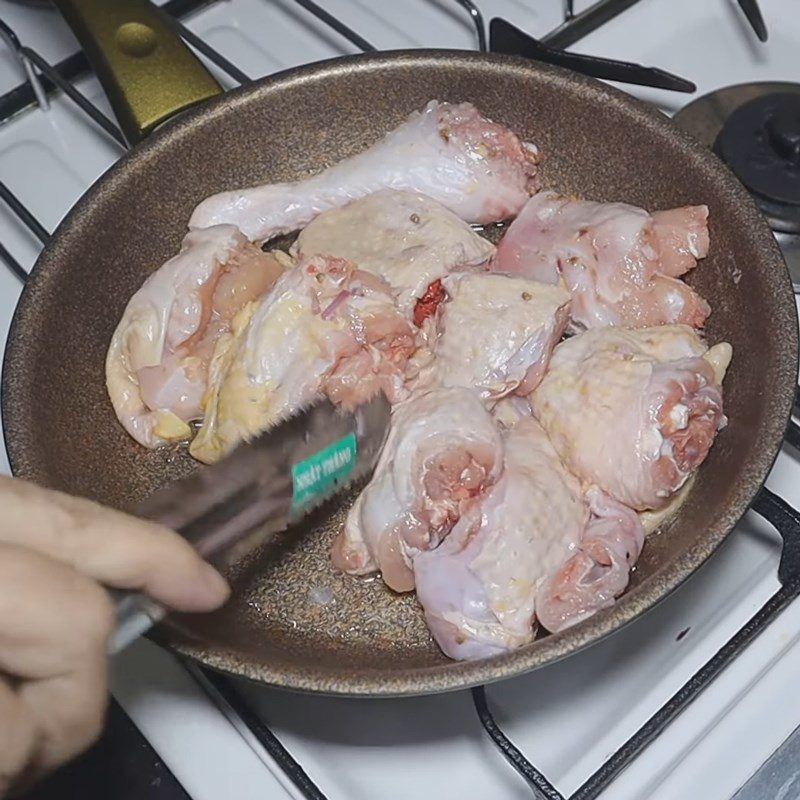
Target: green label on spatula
317, 475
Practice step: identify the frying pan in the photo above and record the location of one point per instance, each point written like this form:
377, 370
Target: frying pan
61, 431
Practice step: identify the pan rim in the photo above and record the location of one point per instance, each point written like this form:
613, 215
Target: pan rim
449, 675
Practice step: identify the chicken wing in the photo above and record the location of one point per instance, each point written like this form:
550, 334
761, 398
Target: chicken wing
324, 328
620, 263
478, 169
443, 450
496, 333
157, 362
634, 411
408, 239
479, 587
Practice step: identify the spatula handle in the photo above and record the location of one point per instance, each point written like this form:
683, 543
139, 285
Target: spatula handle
136, 614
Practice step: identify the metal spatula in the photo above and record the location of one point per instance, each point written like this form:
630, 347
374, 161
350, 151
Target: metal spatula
264, 486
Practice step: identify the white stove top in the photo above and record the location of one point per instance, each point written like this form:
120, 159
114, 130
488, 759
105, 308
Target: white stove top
569, 717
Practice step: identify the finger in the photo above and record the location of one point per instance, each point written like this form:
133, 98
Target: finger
50, 615
54, 629
109, 546
68, 712
17, 737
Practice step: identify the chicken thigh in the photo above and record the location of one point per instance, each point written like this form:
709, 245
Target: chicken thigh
443, 450
324, 328
620, 263
157, 362
479, 587
408, 239
634, 411
478, 169
534, 549
496, 333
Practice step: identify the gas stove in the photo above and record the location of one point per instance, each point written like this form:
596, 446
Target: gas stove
609, 712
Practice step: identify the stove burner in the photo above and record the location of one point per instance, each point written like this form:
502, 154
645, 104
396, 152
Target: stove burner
760, 142
758, 137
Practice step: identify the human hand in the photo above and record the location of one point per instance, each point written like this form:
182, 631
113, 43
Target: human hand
56, 553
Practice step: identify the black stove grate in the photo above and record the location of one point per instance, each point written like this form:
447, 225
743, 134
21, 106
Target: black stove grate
503, 38
223, 690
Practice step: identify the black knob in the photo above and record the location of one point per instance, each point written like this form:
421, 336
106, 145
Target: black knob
783, 131
760, 142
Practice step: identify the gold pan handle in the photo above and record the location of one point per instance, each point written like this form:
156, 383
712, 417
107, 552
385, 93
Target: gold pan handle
147, 71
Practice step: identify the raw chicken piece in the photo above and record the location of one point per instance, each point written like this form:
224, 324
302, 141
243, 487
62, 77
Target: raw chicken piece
598, 572
478, 169
634, 411
408, 239
479, 587
680, 236
157, 362
324, 328
443, 450
620, 263
496, 333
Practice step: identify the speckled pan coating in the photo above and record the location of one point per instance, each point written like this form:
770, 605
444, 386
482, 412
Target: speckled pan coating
598, 142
